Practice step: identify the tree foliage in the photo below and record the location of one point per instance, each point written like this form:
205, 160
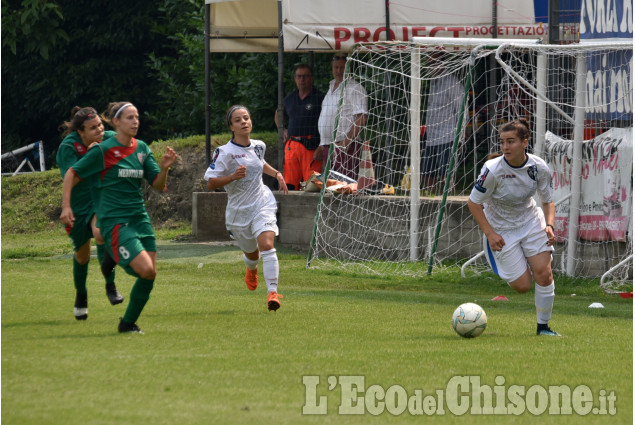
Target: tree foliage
60, 53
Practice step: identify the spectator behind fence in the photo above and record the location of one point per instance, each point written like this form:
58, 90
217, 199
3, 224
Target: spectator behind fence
302, 137
443, 111
353, 117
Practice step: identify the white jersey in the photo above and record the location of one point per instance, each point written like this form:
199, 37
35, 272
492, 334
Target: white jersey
444, 110
248, 196
355, 102
506, 192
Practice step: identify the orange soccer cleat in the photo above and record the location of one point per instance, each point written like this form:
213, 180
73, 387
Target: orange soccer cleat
251, 279
273, 300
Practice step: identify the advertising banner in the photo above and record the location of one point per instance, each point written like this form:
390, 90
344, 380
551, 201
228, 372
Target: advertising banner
607, 184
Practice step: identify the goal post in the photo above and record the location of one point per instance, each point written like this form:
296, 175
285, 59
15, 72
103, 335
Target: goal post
450, 174
9, 158
434, 107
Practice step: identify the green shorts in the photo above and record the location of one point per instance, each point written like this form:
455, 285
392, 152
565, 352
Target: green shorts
124, 241
81, 232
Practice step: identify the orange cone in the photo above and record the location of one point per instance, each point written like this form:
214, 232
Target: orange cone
366, 171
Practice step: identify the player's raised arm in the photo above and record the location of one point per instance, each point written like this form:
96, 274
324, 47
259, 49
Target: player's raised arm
166, 161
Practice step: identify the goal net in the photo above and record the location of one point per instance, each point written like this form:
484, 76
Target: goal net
434, 107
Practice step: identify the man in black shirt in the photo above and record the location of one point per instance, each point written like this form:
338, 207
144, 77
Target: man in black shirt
303, 107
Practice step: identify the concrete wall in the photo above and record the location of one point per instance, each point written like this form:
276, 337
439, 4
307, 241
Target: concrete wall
296, 215
461, 236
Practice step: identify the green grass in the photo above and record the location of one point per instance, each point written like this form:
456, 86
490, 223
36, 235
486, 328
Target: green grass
212, 354
269, 137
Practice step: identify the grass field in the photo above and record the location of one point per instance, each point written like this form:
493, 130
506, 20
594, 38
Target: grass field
213, 354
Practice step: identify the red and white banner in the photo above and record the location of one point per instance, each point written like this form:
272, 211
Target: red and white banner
317, 37
336, 25
318, 25
607, 191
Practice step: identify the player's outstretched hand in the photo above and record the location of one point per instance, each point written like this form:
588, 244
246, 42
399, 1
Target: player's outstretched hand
169, 158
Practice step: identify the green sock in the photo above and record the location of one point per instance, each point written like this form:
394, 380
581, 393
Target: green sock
100, 257
139, 296
80, 272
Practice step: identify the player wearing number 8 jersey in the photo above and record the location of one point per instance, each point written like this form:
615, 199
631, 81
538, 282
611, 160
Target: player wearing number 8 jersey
121, 163
518, 235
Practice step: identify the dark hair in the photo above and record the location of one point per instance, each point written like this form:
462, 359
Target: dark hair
520, 126
302, 66
233, 109
339, 57
78, 117
113, 110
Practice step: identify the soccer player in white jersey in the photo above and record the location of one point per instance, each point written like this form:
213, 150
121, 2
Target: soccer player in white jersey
251, 207
518, 235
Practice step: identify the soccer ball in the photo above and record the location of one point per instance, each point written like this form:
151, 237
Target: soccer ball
469, 320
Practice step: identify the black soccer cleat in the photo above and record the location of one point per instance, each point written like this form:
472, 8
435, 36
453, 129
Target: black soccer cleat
546, 330
113, 295
81, 306
125, 327
107, 265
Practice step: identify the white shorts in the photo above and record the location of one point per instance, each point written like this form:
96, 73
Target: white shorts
246, 236
520, 244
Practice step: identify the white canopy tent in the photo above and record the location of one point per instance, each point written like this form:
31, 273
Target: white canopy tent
253, 26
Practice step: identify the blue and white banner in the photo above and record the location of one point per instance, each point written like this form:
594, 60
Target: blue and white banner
606, 20
609, 80
609, 86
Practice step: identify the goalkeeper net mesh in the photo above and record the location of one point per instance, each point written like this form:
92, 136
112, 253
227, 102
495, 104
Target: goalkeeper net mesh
433, 117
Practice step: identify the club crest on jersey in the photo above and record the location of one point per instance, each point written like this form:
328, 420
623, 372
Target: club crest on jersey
259, 151
141, 156
309, 106
116, 153
80, 148
533, 172
481, 181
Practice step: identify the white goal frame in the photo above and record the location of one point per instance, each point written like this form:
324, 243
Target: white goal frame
409, 71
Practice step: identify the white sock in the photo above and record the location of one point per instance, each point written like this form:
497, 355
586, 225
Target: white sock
544, 296
251, 264
270, 269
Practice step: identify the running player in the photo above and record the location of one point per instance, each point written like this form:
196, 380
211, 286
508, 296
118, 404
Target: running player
121, 163
517, 233
82, 131
251, 208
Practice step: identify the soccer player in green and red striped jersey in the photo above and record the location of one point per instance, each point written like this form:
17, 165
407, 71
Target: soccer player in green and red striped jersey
84, 129
121, 163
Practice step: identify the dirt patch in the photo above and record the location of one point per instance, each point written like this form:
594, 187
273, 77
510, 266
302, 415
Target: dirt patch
185, 178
